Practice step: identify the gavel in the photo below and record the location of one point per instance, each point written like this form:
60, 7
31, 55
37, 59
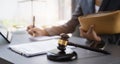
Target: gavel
60, 54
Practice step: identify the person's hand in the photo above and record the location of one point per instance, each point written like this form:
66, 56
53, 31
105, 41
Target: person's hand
90, 34
34, 31
29, 27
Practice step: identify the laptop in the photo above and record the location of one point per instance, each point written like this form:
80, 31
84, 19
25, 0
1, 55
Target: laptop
3, 41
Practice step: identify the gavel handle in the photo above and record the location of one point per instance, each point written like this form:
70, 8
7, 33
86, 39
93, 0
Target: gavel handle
89, 48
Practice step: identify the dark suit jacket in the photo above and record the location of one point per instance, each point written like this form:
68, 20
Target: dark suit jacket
84, 7
110, 5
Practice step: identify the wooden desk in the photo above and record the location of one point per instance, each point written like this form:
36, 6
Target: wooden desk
84, 56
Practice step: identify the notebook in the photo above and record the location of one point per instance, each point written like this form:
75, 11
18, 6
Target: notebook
34, 48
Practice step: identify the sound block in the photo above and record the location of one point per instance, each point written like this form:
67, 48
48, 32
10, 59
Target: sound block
57, 55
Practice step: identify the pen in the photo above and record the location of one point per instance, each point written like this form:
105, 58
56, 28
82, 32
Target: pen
33, 25
33, 21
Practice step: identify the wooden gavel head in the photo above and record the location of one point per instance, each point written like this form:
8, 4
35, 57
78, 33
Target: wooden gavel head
63, 41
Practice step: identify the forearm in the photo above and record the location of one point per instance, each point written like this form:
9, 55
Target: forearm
68, 27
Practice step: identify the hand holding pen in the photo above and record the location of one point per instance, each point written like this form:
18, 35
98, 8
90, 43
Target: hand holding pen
34, 31
37, 32
30, 28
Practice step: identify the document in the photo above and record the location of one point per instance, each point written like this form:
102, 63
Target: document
35, 48
104, 22
42, 38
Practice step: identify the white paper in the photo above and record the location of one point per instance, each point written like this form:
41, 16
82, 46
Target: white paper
41, 38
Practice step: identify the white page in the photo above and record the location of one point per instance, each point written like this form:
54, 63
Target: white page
41, 38
35, 48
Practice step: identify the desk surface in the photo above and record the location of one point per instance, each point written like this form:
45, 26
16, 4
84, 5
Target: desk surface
84, 56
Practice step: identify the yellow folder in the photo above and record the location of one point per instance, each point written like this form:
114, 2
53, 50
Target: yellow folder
104, 23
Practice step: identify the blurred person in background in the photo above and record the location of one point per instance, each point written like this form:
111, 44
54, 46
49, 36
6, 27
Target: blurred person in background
84, 7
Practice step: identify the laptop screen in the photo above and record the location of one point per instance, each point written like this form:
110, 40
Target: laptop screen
3, 39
